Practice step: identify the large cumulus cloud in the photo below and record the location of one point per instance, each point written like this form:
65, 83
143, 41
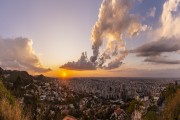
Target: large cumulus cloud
17, 53
170, 19
114, 22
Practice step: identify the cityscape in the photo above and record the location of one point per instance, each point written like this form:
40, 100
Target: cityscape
89, 59
88, 98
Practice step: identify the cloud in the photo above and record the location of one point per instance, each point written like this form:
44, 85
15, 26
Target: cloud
170, 19
167, 37
153, 51
18, 54
161, 60
151, 12
134, 72
155, 48
82, 64
114, 22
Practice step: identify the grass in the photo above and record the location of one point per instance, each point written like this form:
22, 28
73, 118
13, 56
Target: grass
4, 93
10, 109
172, 110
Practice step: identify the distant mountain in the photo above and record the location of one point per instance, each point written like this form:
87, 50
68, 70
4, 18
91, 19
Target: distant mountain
42, 78
13, 75
1, 71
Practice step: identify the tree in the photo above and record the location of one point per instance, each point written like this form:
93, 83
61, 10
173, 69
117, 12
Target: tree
134, 104
151, 115
152, 108
18, 82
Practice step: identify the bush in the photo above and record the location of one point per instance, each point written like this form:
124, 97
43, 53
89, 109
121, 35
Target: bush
134, 104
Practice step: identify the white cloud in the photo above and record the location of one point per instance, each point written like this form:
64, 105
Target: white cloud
114, 22
169, 20
18, 54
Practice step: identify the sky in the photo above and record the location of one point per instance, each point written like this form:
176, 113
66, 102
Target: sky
91, 38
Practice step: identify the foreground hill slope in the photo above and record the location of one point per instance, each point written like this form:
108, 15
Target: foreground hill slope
9, 107
172, 103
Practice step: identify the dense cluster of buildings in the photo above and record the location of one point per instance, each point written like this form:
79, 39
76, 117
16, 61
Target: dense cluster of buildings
85, 98
117, 88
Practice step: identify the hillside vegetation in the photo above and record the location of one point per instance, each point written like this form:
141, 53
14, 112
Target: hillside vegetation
10, 109
171, 98
170, 102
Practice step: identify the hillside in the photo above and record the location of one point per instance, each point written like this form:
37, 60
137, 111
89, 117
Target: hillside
9, 108
169, 103
172, 104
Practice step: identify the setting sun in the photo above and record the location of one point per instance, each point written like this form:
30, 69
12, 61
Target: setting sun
64, 74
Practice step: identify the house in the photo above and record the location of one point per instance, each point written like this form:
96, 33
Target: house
136, 115
42, 97
68, 117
